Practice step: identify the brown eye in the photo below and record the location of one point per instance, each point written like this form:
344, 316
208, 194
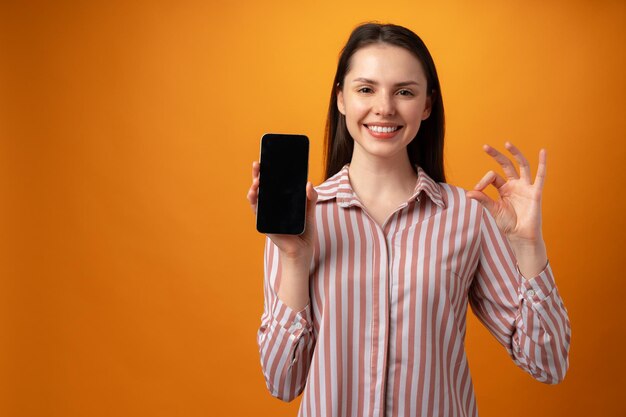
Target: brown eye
363, 88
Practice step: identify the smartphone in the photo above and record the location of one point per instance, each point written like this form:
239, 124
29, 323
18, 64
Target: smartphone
281, 206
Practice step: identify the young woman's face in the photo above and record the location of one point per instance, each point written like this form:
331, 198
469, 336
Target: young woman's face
386, 86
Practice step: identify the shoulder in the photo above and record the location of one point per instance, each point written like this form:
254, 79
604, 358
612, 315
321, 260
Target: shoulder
331, 187
326, 191
456, 198
460, 208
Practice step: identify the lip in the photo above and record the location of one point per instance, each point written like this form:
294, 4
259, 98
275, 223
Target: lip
382, 124
383, 135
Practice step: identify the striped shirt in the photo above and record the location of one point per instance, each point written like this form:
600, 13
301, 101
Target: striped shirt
384, 331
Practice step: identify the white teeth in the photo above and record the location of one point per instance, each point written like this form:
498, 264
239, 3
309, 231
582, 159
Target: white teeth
381, 129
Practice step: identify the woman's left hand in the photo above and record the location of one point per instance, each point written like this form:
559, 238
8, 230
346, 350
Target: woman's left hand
518, 211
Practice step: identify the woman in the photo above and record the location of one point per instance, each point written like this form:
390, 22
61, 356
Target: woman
365, 311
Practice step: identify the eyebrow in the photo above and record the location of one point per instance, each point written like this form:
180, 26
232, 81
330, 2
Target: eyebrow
401, 84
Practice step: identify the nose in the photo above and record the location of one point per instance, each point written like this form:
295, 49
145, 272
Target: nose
384, 105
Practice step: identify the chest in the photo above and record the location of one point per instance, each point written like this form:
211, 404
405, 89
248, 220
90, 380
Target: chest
422, 251
380, 212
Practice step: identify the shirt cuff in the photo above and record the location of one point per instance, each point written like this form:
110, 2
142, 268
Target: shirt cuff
294, 322
539, 287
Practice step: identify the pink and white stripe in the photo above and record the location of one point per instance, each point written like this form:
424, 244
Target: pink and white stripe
384, 332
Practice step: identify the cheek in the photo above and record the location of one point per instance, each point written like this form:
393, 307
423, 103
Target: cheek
413, 115
416, 109
356, 108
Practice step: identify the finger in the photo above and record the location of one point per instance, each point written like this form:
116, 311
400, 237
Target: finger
252, 199
524, 166
253, 207
482, 198
252, 195
541, 170
255, 169
490, 178
505, 162
253, 192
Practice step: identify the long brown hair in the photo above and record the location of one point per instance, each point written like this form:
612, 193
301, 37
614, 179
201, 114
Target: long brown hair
426, 149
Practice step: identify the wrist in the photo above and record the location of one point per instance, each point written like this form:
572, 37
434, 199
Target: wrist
536, 239
531, 257
296, 257
296, 266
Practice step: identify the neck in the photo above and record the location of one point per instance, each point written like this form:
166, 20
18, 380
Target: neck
381, 179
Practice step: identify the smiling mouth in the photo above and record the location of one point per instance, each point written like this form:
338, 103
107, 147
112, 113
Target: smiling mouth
381, 129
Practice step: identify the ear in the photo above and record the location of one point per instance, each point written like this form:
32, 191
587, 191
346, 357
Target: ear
340, 103
429, 106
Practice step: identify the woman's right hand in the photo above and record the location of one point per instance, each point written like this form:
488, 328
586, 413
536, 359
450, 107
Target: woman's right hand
291, 246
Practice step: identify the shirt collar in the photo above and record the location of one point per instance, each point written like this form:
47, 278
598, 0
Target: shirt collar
338, 186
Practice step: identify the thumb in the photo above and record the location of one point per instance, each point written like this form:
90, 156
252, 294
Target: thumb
311, 193
311, 202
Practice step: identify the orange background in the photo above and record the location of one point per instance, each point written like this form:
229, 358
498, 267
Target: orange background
130, 267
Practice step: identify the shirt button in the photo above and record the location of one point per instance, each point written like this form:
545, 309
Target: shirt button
530, 293
298, 325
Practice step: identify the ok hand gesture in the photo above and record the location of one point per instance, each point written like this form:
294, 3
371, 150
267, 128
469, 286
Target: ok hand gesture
518, 211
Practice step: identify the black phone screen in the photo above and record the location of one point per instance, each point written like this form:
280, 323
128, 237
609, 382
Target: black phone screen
281, 206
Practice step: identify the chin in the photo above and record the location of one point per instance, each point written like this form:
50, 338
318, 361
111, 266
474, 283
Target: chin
382, 150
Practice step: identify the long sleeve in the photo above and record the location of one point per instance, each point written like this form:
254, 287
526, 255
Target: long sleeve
285, 337
527, 316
